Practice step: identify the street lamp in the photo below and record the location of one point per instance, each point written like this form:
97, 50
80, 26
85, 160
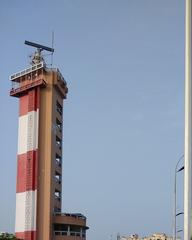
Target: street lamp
180, 213
175, 197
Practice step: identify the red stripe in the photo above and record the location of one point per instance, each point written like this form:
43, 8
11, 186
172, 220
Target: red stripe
38, 97
29, 102
28, 235
27, 171
23, 105
27, 165
32, 100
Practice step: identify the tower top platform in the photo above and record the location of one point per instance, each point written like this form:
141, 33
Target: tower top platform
35, 76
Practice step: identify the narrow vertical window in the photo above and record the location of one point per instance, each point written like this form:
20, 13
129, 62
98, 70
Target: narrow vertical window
58, 125
58, 142
59, 108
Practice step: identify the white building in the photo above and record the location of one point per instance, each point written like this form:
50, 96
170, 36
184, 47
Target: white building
155, 236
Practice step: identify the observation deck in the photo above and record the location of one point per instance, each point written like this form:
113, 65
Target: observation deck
27, 79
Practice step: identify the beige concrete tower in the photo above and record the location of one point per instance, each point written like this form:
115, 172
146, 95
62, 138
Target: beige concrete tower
41, 91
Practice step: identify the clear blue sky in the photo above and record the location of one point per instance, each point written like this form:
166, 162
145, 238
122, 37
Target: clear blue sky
124, 115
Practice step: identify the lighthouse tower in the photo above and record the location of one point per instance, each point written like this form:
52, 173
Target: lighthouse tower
41, 91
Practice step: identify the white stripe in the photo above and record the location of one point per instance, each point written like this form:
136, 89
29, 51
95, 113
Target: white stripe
28, 132
26, 211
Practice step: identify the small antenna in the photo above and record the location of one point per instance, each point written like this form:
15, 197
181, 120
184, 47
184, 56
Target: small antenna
37, 57
52, 47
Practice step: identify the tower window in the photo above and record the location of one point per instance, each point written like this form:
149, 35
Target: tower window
58, 160
57, 195
58, 142
57, 177
57, 210
59, 125
59, 108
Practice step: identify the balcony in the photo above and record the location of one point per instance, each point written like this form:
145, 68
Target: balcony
76, 219
27, 79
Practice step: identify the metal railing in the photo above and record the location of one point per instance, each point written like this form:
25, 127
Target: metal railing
75, 215
26, 71
34, 68
61, 76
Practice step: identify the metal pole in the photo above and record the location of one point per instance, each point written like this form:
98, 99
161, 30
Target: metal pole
188, 127
175, 201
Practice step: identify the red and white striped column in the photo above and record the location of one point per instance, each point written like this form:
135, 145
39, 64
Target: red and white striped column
27, 166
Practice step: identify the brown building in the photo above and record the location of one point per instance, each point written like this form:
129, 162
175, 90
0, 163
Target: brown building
41, 91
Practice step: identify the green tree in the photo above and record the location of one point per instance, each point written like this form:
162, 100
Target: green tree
7, 236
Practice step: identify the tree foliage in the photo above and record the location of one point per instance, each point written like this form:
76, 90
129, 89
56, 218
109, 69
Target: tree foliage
7, 236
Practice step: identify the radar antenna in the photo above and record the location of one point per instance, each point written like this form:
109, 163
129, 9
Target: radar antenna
37, 56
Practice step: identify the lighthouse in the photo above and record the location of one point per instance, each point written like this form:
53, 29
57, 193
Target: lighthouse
41, 91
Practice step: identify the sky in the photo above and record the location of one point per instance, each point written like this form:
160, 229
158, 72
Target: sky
123, 61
